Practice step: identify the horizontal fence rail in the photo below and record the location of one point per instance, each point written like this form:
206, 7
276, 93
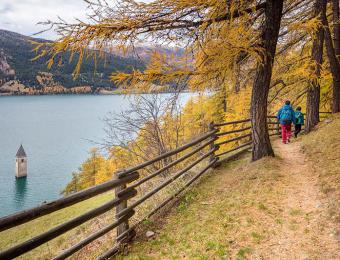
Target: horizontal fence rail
141, 181
236, 148
234, 131
234, 139
154, 191
61, 229
224, 141
172, 152
124, 194
93, 237
46, 208
232, 122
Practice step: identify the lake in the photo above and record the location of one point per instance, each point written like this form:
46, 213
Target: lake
55, 132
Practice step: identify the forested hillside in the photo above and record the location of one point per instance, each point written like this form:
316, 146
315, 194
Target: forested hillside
17, 51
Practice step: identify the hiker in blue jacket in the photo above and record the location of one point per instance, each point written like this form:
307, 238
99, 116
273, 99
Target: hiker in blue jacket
286, 116
299, 121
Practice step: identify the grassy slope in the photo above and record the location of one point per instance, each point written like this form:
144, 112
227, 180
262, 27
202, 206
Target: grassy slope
237, 209
26, 231
217, 222
323, 148
18, 49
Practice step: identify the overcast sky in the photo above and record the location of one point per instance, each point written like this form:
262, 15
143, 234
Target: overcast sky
22, 16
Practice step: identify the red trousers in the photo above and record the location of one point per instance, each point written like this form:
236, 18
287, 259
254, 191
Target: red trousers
286, 132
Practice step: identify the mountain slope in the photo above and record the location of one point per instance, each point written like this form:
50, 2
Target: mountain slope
16, 62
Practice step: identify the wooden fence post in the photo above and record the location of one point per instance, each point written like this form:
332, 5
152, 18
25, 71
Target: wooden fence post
123, 205
211, 127
278, 127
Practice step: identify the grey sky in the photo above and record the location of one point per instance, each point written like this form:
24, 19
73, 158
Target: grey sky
22, 16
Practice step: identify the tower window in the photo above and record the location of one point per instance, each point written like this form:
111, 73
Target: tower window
22, 160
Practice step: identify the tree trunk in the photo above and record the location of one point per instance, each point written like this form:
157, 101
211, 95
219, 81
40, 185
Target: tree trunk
224, 98
261, 142
313, 92
313, 103
334, 53
336, 29
237, 77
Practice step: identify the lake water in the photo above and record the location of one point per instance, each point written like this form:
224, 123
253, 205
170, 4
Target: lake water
54, 131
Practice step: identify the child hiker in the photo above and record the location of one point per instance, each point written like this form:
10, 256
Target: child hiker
286, 116
299, 121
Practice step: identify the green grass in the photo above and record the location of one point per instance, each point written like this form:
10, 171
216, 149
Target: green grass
241, 254
26, 231
257, 238
295, 212
262, 206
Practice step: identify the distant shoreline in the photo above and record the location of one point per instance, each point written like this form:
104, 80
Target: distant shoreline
106, 93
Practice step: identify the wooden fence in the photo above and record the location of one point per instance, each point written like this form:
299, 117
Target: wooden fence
210, 147
274, 124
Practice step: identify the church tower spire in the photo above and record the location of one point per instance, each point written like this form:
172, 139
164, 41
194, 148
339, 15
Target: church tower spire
21, 163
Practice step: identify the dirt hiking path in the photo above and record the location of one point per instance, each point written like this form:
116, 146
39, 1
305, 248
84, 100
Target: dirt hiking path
306, 231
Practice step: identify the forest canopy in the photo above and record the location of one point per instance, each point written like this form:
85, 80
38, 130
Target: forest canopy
274, 48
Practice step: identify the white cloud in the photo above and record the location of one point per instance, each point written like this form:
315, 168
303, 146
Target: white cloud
22, 16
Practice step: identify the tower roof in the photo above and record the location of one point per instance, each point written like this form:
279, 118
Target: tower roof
21, 152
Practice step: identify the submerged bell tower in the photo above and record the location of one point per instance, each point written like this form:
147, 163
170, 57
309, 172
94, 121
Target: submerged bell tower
21, 163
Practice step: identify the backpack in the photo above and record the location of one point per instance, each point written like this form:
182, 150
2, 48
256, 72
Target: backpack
286, 116
298, 118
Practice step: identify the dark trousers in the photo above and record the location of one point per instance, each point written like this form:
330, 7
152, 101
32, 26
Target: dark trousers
297, 130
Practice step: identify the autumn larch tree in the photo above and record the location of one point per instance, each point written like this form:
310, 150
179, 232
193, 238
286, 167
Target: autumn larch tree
332, 52
313, 92
336, 27
220, 36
